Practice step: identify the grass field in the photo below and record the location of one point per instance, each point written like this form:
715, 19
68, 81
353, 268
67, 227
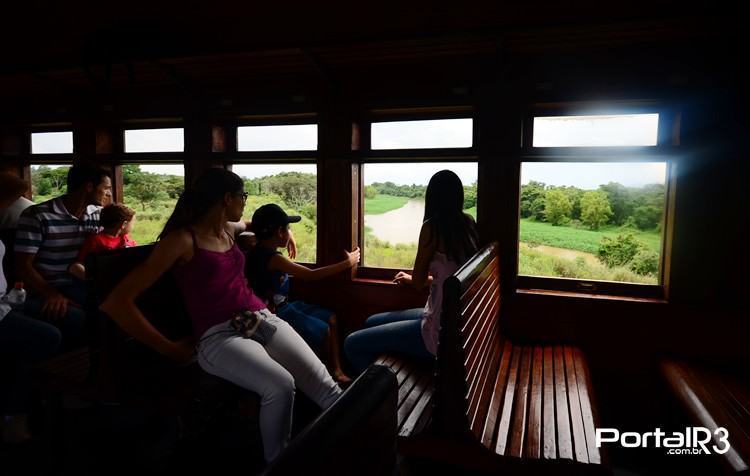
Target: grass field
535, 262
383, 203
581, 239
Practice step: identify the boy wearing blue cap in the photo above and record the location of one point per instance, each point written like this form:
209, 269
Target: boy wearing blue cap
268, 271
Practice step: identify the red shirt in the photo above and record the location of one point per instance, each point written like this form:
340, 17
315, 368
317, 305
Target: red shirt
102, 242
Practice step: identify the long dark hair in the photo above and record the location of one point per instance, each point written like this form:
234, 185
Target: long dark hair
443, 211
197, 200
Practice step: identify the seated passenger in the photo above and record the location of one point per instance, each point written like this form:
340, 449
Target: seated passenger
116, 221
268, 271
198, 246
23, 341
447, 239
48, 239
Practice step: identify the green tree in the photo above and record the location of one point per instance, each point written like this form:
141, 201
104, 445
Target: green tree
557, 207
130, 173
295, 188
574, 195
470, 196
43, 186
647, 217
370, 192
174, 185
145, 188
595, 209
618, 251
620, 199
532, 200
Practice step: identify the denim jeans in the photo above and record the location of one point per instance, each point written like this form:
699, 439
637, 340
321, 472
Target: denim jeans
395, 331
24, 341
73, 324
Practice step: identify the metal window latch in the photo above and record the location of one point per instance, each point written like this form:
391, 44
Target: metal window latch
587, 286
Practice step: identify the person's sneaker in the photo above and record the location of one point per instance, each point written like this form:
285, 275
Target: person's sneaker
15, 429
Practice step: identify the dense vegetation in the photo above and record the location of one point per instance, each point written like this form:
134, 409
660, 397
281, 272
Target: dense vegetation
414, 191
612, 233
619, 226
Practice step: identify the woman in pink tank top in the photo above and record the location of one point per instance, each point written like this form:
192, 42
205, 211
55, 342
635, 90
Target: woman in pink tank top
447, 239
198, 246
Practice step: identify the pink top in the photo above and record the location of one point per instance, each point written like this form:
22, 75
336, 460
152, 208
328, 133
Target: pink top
214, 287
440, 269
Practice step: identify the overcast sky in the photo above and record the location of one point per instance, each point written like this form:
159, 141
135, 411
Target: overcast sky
558, 131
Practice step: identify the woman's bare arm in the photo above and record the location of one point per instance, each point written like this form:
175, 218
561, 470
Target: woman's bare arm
425, 250
120, 304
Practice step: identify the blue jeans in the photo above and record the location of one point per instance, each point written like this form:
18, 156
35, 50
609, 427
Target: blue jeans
395, 331
73, 324
309, 320
24, 341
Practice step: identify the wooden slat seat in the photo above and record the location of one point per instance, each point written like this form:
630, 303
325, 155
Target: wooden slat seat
489, 401
716, 398
415, 391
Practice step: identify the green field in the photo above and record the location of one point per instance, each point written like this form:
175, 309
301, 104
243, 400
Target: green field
536, 262
149, 222
533, 262
580, 239
383, 203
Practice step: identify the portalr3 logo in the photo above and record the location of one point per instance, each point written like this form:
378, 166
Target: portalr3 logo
694, 440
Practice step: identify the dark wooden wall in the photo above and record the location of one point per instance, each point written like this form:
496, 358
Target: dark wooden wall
499, 75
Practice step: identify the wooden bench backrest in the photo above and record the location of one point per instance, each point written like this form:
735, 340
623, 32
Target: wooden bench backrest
161, 304
470, 344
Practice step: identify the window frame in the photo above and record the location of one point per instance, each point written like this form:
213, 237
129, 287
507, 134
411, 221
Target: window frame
54, 157
363, 154
150, 124
233, 156
666, 150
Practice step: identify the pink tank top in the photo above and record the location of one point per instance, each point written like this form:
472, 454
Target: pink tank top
440, 269
214, 287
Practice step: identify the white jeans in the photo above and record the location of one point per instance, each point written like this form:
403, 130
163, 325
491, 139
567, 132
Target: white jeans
272, 372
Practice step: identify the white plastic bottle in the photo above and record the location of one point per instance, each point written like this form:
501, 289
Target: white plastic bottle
16, 296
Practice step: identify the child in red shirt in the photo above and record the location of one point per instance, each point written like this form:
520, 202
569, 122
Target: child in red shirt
117, 221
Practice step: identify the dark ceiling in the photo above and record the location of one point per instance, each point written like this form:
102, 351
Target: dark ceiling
43, 35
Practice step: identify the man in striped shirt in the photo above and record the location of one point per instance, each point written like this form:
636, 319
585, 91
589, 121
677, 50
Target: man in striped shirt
48, 238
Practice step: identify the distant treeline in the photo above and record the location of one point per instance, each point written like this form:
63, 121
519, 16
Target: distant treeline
415, 191
613, 203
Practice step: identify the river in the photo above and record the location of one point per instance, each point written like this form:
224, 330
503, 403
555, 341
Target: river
400, 226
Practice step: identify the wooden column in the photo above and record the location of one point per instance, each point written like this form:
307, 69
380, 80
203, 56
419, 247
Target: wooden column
201, 137
338, 183
500, 125
14, 153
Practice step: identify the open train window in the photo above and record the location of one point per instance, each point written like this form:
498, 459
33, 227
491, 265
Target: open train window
48, 181
152, 190
399, 152
292, 186
594, 202
276, 156
394, 208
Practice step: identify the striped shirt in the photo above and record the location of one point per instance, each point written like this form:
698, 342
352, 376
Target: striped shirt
50, 232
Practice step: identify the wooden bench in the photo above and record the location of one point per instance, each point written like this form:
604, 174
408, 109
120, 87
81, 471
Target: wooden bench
489, 403
356, 435
127, 371
715, 398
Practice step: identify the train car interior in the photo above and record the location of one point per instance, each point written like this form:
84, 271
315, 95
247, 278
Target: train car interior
382, 239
